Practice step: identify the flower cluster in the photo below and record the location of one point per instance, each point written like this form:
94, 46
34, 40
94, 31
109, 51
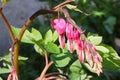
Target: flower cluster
84, 48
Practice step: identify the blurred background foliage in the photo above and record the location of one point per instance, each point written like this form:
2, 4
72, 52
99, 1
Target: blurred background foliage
104, 20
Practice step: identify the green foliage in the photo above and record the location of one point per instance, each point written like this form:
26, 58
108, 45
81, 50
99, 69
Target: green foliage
26, 37
61, 60
96, 40
37, 35
109, 24
1, 78
48, 36
52, 48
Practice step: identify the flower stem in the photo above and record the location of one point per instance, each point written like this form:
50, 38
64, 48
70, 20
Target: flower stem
45, 70
7, 23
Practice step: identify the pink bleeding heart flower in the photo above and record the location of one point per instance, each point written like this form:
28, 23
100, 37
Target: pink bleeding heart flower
69, 35
80, 51
60, 26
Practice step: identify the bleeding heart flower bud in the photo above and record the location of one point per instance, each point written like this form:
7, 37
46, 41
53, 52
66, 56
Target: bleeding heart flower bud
69, 31
69, 35
80, 51
70, 45
76, 35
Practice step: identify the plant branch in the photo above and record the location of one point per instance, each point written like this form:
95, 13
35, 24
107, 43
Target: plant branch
36, 14
70, 20
46, 57
44, 71
7, 23
62, 4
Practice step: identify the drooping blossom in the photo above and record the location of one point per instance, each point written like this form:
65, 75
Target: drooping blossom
12, 75
80, 51
60, 26
69, 35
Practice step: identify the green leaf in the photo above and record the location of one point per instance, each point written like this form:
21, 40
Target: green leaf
74, 76
48, 36
22, 58
76, 67
38, 49
98, 13
95, 39
25, 37
111, 50
7, 57
55, 36
1, 78
102, 49
52, 48
61, 60
16, 31
72, 7
77, 72
111, 65
88, 67
37, 35
4, 70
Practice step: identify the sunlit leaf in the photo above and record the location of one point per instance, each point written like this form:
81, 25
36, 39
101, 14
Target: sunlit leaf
22, 58
61, 60
88, 67
76, 66
72, 7
1, 78
95, 39
98, 13
38, 49
55, 36
52, 48
102, 49
37, 35
25, 37
48, 36
111, 50
4, 70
